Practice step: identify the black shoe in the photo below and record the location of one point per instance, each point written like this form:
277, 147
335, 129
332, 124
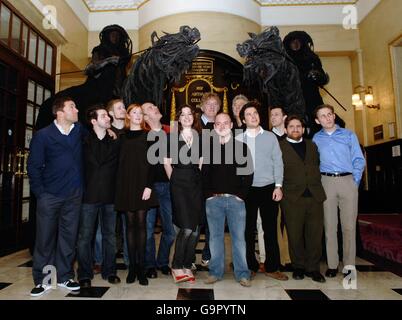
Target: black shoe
113, 279
331, 273
142, 279
315, 276
151, 273
165, 270
85, 283
298, 274
131, 275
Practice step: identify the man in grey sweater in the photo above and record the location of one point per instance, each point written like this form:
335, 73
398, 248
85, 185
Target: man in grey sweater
266, 190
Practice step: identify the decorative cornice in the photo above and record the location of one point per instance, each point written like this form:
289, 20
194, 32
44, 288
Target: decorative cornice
275, 3
127, 5
116, 5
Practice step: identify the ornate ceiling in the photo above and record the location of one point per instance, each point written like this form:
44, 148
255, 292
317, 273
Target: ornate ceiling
108, 5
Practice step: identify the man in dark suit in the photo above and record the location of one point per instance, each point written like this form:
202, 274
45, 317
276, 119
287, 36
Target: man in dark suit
303, 197
101, 154
55, 174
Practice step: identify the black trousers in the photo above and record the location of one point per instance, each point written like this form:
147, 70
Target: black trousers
57, 221
261, 198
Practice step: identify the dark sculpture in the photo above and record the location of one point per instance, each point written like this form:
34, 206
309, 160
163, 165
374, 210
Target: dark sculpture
300, 47
165, 61
269, 66
106, 74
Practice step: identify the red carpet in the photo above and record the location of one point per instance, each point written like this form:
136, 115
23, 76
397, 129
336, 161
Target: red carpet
382, 234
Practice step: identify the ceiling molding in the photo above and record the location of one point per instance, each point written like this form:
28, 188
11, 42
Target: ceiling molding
133, 14
283, 3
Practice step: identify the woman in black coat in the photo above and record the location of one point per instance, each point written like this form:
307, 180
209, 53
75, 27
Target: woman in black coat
183, 166
133, 191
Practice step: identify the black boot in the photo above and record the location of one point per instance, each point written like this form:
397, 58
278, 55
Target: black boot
142, 277
132, 273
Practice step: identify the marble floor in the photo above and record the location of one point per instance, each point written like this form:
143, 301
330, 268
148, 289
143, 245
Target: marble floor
374, 282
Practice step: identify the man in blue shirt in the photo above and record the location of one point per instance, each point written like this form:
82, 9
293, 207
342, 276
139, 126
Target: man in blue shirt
341, 165
55, 176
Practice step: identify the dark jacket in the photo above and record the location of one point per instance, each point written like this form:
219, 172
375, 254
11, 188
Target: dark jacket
300, 175
224, 177
55, 161
100, 168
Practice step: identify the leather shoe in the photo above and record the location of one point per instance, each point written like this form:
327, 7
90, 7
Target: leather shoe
165, 270
331, 273
85, 283
113, 279
151, 273
131, 275
298, 274
315, 276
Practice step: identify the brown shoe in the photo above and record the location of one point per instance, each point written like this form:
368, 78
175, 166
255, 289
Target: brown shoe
277, 275
261, 268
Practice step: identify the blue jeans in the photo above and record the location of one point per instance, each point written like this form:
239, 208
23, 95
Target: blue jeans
98, 257
162, 192
88, 219
98, 243
234, 210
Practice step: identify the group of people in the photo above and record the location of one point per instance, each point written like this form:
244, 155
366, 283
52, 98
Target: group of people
202, 172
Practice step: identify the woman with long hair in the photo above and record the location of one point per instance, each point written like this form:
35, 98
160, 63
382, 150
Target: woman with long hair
134, 190
183, 165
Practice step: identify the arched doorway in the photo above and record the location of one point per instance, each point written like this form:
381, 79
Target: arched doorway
211, 71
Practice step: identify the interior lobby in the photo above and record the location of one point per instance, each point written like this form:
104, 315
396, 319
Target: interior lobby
46, 45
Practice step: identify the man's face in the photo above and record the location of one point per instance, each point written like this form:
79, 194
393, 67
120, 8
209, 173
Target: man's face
251, 118
103, 120
223, 125
237, 105
119, 111
295, 130
277, 117
69, 112
210, 108
326, 118
151, 112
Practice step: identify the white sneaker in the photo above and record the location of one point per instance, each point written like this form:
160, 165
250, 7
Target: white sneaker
70, 285
39, 290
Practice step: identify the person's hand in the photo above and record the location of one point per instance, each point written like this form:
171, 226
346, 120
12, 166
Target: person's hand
112, 134
146, 194
277, 195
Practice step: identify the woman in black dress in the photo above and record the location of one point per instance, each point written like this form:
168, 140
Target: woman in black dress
183, 166
133, 190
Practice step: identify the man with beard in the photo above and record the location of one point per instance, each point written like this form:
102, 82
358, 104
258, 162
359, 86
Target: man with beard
303, 197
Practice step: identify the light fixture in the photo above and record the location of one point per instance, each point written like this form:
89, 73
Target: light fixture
368, 98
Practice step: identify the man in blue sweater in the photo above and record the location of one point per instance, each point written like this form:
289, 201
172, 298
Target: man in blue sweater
55, 173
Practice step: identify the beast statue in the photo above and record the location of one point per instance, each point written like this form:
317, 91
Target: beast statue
165, 61
269, 66
105, 75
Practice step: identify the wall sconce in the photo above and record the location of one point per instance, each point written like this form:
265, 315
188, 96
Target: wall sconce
368, 101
